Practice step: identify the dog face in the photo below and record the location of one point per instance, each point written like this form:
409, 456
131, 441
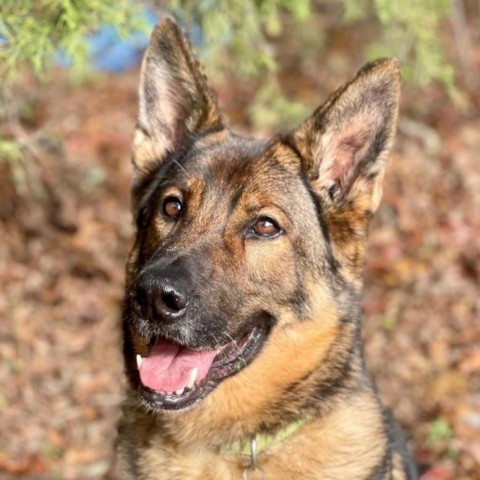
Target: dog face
238, 240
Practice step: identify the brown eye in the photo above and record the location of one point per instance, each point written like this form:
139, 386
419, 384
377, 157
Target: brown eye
266, 227
172, 207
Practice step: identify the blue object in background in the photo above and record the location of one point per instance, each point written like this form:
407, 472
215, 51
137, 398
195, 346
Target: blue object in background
111, 53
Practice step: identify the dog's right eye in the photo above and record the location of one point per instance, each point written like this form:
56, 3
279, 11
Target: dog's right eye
172, 207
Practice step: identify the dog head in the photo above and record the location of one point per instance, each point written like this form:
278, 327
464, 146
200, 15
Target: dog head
240, 241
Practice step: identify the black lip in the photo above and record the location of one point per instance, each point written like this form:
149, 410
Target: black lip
226, 364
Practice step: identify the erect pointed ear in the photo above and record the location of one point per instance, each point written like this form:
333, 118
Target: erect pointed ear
344, 147
175, 101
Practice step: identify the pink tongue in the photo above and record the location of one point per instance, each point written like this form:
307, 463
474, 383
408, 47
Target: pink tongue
168, 366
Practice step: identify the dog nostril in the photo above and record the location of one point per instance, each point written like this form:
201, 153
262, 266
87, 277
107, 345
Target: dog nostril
141, 296
159, 302
141, 303
172, 301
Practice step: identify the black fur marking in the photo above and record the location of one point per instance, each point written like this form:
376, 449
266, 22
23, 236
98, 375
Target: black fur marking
385, 465
332, 262
398, 444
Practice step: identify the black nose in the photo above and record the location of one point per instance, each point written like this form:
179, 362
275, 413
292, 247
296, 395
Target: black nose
162, 296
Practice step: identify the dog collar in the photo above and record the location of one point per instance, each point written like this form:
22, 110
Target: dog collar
261, 442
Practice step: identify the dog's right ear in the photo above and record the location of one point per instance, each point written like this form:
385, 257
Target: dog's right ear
175, 102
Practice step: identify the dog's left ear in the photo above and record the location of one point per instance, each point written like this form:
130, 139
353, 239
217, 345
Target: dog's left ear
175, 102
344, 147
345, 143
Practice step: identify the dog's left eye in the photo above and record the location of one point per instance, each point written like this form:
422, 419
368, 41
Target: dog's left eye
266, 227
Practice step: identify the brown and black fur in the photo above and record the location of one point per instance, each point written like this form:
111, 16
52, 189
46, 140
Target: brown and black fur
321, 183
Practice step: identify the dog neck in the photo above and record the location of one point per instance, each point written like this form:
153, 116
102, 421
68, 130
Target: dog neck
262, 441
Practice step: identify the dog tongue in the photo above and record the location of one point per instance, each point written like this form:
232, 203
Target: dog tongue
168, 366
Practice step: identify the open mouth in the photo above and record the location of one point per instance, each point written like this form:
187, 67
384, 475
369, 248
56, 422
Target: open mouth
174, 377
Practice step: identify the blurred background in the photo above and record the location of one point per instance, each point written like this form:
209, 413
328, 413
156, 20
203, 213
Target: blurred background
69, 71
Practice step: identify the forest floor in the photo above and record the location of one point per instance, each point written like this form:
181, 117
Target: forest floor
66, 230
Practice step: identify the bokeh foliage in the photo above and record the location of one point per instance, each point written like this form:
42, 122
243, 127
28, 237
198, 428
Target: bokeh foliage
411, 31
241, 27
33, 30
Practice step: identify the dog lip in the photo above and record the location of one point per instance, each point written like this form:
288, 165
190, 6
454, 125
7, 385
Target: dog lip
171, 401
236, 354
230, 360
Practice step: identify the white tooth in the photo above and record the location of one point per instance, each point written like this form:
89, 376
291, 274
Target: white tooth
179, 391
139, 361
193, 377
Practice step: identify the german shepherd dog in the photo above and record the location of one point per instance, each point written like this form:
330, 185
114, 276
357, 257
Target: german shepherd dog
242, 331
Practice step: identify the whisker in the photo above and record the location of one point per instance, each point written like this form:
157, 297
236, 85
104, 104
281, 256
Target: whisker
179, 165
215, 339
240, 356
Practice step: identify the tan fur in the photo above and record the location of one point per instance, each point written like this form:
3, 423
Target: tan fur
321, 184
318, 446
241, 401
189, 445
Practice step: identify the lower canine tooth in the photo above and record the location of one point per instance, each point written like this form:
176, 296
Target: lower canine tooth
193, 377
139, 361
179, 391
